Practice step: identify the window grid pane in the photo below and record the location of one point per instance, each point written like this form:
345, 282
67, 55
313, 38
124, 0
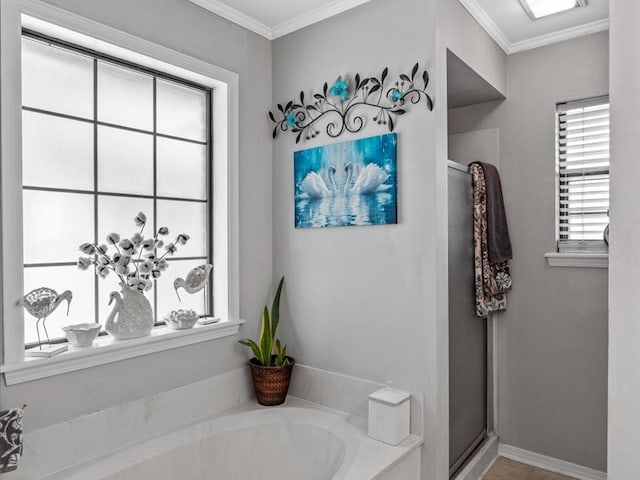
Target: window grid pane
583, 174
56, 79
56, 152
130, 194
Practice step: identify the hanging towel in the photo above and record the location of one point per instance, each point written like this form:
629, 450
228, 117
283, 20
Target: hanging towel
498, 239
491, 280
10, 439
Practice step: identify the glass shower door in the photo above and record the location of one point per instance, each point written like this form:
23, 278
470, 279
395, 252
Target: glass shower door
467, 332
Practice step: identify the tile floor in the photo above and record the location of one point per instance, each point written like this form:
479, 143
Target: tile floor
505, 469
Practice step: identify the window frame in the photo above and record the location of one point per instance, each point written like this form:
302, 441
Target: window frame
96, 193
224, 233
586, 252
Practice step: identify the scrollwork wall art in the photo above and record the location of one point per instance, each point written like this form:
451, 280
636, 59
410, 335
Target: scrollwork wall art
343, 103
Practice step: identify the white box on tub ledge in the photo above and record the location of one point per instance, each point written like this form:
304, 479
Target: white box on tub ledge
389, 415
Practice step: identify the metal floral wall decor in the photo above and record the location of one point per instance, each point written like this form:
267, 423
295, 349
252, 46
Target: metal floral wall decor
342, 104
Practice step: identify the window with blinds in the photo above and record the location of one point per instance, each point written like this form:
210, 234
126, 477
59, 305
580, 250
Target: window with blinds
583, 175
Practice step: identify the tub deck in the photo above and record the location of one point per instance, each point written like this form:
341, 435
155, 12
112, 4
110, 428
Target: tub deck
365, 458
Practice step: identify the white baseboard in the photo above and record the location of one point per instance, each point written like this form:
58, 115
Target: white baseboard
549, 463
481, 461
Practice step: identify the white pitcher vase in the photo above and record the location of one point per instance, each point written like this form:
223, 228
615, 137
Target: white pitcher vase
131, 316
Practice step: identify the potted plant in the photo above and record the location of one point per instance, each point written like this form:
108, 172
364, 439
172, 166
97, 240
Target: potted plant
271, 366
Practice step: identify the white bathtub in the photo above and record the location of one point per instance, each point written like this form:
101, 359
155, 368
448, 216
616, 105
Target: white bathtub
251, 443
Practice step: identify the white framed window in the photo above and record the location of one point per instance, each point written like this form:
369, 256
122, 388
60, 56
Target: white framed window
103, 139
582, 171
110, 56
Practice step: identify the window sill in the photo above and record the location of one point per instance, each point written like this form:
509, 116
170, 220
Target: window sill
107, 350
583, 260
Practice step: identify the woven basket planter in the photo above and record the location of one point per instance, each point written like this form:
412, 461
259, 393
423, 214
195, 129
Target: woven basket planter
271, 384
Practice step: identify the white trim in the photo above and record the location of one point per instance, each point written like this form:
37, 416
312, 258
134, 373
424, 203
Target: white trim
584, 260
481, 462
11, 149
549, 463
76, 29
96, 36
314, 16
485, 21
560, 36
271, 33
494, 426
236, 16
108, 350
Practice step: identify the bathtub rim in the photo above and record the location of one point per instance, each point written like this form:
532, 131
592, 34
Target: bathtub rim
350, 429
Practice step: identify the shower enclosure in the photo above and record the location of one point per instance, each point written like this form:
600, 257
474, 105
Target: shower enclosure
467, 332
472, 340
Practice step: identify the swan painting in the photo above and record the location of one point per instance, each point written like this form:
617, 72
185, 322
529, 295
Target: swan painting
314, 185
347, 184
369, 180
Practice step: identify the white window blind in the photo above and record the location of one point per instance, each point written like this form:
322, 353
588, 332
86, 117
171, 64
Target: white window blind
583, 174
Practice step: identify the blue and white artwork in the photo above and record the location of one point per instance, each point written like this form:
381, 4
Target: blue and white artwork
346, 184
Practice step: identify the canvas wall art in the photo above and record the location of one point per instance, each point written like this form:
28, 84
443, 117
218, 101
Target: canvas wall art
347, 184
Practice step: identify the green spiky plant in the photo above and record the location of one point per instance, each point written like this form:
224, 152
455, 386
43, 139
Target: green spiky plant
267, 343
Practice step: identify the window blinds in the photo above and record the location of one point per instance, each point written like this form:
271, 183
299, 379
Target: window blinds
583, 174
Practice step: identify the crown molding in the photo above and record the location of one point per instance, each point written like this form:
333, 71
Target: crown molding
236, 17
561, 36
485, 21
314, 16
296, 23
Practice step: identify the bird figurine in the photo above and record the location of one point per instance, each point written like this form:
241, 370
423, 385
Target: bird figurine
40, 303
196, 280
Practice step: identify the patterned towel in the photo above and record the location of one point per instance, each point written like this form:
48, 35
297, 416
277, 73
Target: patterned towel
10, 439
492, 280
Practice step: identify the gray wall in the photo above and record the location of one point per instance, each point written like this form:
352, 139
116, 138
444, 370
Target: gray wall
371, 301
181, 25
552, 340
360, 300
459, 32
624, 271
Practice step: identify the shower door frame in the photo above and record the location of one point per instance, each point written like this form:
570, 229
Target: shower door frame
458, 470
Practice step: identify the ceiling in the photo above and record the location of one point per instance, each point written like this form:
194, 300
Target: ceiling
509, 25
505, 20
275, 18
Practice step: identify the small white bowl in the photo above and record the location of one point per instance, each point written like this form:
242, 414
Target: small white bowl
181, 319
82, 334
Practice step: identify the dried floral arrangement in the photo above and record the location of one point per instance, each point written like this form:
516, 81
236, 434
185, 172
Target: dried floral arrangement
341, 101
136, 260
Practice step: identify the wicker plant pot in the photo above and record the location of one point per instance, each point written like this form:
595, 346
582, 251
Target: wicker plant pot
271, 384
